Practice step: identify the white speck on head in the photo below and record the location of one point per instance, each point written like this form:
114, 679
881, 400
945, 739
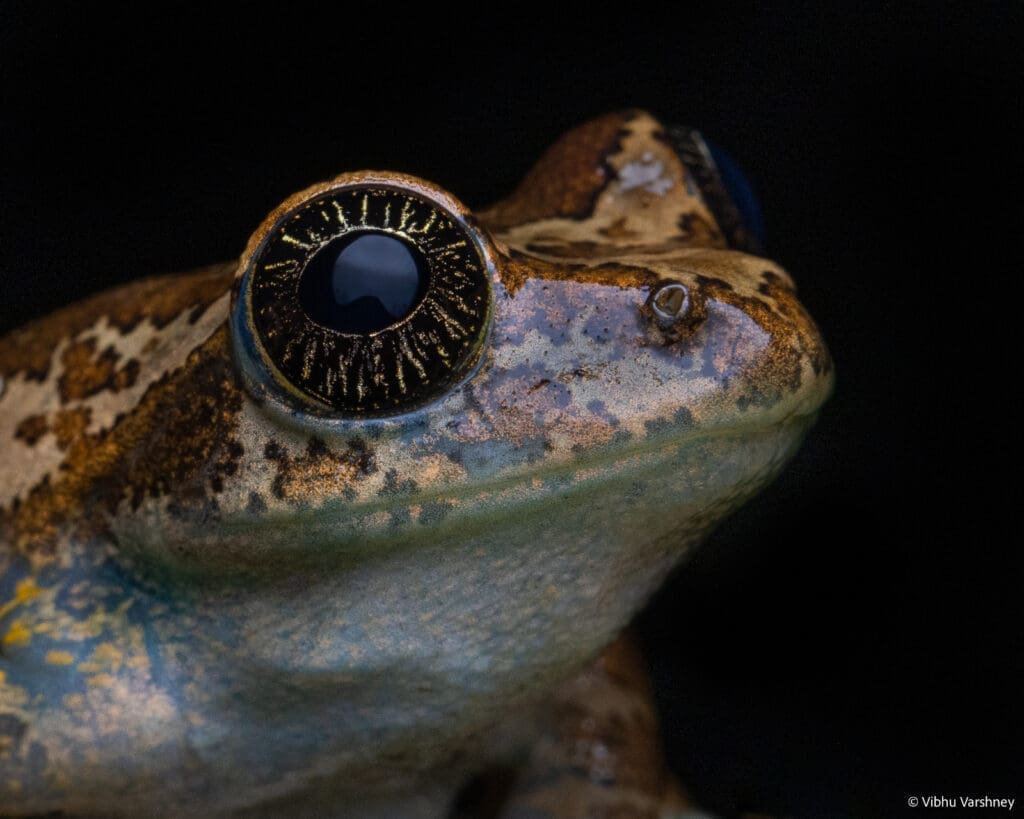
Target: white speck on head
650, 190
646, 174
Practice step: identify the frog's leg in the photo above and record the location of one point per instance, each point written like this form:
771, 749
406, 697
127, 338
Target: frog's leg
600, 755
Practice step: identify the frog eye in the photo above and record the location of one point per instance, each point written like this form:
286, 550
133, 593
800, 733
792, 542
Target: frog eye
367, 295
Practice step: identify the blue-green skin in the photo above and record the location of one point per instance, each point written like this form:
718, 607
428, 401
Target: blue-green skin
214, 603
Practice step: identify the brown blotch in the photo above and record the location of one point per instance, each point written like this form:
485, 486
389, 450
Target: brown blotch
86, 373
803, 329
161, 299
169, 444
618, 230
256, 504
70, 425
772, 283
794, 336
568, 178
712, 281
517, 267
226, 465
319, 471
31, 429
696, 231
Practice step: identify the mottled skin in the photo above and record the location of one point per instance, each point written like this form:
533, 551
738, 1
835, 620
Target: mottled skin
213, 604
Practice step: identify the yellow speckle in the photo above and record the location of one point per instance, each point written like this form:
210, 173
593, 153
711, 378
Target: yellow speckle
42, 628
74, 701
551, 592
106, 657
109, 654
17, 634
3, 678
138, 661
100, 680
24, 591
59, 658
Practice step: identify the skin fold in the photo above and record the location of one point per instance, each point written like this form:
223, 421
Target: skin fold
218, 600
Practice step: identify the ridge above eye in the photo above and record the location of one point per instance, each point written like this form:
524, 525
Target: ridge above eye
368, 295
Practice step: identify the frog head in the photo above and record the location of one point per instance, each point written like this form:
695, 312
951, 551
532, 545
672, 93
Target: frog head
398, 471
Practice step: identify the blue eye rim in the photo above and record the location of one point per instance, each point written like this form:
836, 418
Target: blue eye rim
726, 191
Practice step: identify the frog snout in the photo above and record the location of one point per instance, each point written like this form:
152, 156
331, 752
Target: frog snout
733, 320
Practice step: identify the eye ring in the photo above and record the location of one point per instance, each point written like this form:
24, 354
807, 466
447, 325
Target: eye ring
429, 281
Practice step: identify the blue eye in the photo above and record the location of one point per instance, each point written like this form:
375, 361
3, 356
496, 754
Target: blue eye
740, 191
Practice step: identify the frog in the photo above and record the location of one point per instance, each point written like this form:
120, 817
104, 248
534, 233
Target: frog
354, 523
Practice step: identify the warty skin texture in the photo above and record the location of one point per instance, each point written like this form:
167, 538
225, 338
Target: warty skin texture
213, 600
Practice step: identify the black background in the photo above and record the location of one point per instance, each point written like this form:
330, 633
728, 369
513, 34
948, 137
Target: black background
853, 636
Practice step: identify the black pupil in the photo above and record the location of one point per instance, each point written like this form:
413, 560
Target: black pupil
363, 282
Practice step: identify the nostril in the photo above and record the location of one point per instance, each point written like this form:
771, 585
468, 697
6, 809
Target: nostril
669, 303
674, 310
